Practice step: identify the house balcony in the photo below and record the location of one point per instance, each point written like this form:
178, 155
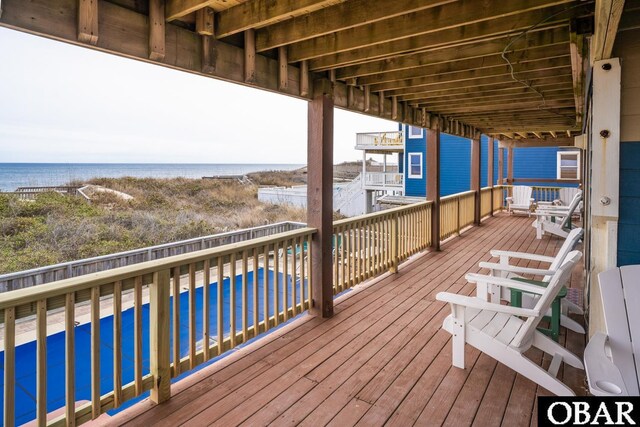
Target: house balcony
383, 181
255, 355
380, 142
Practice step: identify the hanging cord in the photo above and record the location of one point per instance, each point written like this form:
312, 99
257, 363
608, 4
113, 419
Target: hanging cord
543, 106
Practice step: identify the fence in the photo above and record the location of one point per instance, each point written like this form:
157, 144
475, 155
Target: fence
39, 276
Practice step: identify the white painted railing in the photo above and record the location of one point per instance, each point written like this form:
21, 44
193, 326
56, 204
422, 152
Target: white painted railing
383, 180
379, 139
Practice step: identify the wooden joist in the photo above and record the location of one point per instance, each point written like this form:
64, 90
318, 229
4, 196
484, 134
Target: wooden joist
204, 21
450, 37
607, 19
250, 56
335, 18
260, 13
180, 8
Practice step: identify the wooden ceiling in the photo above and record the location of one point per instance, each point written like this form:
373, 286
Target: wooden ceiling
514, 69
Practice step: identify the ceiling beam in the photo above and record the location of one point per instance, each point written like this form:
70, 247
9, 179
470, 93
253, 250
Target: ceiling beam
607, 19
260, 13
533, 40
336, 18
535, 142
496, 62
176, 9
495, 97
506, 100
460, 13
555, 67
534, 105
492, 88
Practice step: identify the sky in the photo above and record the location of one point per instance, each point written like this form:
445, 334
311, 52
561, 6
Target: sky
64, 103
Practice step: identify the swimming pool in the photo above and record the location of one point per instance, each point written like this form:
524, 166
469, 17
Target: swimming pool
26, 353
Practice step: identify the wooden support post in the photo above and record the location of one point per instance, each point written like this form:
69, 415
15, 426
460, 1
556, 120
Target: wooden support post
204, 21
510, 165
367, 99
209, 54
475, 177
88, 21
250, 56
304, 78
394, 107
500, 165
156, 30
320, 195
381, 103
159, 336
433, 181
283, 68
490, 171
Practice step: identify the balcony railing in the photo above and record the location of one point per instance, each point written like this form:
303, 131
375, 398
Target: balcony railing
379, 140
383, 180
168, 316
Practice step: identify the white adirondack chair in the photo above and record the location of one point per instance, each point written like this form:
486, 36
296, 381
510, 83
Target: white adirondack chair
566, 195
501, 332
521, 200
609, 357
555, 220
506, 270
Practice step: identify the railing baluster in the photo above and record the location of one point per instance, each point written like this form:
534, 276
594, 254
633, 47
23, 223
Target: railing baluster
285, 276
95, 352
117, 343
245, 296
265, 287
295, 298
256, 309
176, 321
336, 263
276, 283
309, 270
192, 315
294, 275
232, 300
137, 334
41, 362
220, 291
206, 299
9, 365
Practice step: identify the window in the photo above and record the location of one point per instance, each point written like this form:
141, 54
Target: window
415, 165
415, 132
568, 165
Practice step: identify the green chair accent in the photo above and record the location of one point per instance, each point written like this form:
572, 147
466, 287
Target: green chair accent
554, 321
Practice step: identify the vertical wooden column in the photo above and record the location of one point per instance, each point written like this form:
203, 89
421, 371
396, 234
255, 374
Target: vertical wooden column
475, 177
490, 171
157, 46
320, 195
510, 166
159, 336
500, 165
433, 181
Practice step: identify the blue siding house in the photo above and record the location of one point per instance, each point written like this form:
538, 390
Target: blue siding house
629, 220
455, 163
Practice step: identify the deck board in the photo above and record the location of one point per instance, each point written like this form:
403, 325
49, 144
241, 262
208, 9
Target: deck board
382, 359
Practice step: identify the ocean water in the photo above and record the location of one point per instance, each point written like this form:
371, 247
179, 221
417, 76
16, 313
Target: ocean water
14, 175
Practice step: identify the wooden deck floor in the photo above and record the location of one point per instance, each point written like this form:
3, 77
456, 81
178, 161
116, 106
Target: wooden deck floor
382, 359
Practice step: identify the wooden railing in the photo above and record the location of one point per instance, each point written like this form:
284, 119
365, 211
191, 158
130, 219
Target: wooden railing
456, 213
368, 245
245, 299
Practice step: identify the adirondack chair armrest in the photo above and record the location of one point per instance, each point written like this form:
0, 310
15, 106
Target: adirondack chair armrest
512, 284
604, 377
521, 255
515, 269
473, 302
509, 199
550, 212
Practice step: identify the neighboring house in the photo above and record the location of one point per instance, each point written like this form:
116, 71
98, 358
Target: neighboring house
540, 166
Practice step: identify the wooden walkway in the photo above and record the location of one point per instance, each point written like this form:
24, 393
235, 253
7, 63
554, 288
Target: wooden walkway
382, 359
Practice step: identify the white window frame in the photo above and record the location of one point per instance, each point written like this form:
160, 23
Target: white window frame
412, 175
562, 153
412, 135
